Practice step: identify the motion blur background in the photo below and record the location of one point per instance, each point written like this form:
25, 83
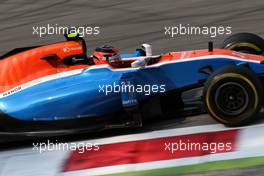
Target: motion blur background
126, 24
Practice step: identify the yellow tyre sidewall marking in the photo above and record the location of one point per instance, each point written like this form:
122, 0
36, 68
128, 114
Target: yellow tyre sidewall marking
232, 75
244, 44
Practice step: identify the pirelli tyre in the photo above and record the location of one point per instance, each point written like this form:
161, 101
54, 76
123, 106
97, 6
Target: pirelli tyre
233, 95
245, 42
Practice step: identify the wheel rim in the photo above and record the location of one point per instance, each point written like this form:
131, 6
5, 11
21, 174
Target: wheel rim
231, 98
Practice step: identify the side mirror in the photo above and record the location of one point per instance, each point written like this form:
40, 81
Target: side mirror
147, 48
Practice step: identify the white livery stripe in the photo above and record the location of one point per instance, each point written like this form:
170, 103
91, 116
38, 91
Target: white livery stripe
39, 81
78, 71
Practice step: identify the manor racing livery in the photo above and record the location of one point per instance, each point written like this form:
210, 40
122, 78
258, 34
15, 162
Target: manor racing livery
16, 89
57, 87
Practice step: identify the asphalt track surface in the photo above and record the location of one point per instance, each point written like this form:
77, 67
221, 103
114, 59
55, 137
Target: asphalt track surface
127, 24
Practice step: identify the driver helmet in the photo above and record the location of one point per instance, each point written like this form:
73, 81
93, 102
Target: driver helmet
106, 55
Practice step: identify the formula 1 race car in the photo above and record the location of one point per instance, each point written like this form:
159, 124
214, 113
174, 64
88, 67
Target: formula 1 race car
58, 88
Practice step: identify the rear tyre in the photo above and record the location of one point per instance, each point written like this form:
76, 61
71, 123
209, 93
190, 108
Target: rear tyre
245, 42
233, 95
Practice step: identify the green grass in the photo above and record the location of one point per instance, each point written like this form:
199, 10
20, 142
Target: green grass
205, 167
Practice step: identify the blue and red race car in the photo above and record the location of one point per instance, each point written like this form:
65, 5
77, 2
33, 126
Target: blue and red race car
58, 88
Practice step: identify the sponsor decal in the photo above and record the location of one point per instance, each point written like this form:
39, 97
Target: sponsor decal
12, 91
39, 81
67, 49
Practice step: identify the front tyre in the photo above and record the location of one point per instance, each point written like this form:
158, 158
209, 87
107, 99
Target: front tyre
233, 95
